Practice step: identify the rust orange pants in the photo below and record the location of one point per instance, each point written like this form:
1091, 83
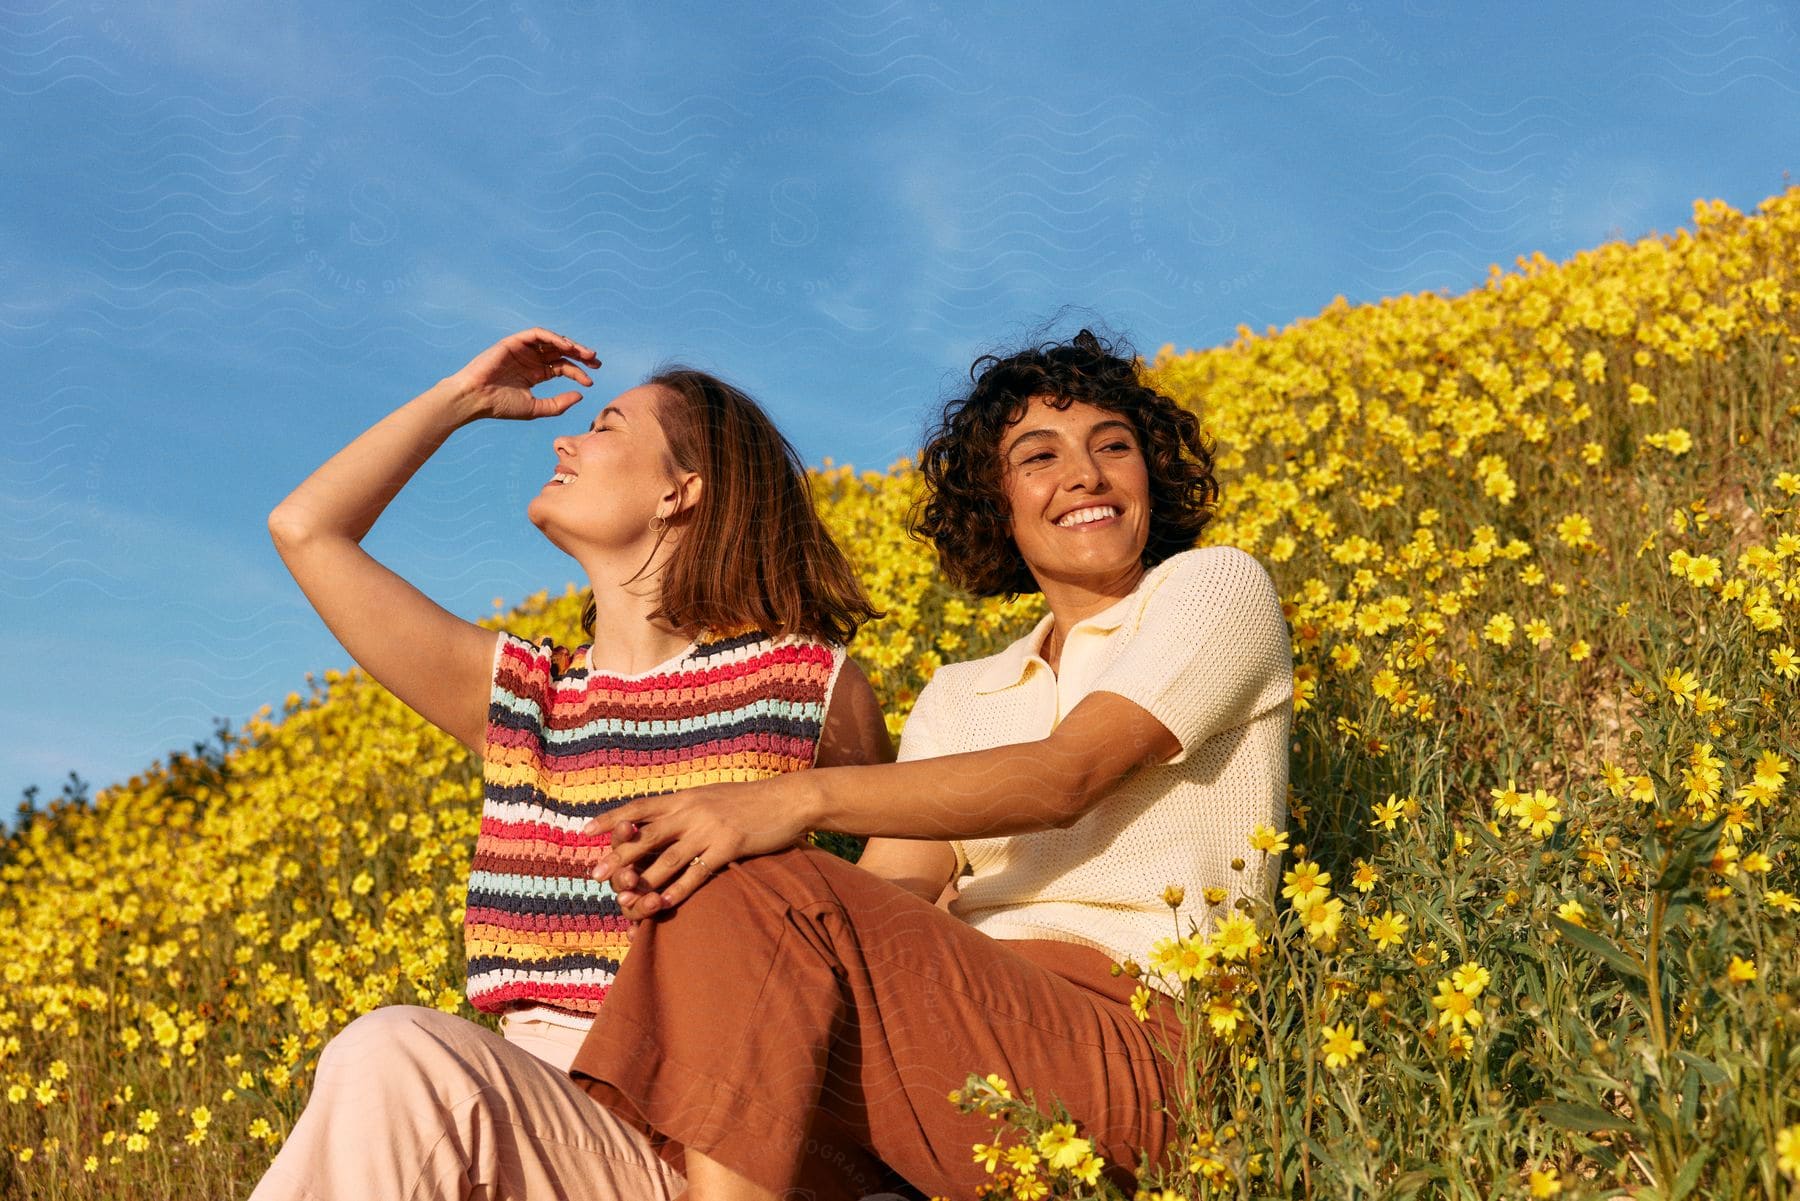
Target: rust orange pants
801, 1021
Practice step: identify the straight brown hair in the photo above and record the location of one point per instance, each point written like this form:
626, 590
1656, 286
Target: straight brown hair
753, 552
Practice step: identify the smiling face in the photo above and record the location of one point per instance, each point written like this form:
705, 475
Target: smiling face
610, 480
1078, 493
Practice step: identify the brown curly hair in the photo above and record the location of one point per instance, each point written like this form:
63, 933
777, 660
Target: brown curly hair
963, 508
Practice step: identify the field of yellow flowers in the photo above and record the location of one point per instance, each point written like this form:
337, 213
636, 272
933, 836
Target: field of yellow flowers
1537, 931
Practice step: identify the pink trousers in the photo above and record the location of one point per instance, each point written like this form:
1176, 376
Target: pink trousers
410, 1104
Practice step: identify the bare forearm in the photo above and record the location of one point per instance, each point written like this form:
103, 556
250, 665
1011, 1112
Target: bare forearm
1041, 785
352, 488
981, 794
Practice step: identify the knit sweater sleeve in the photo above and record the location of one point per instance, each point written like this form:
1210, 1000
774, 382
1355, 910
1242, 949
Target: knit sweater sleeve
918, 740
1211, 649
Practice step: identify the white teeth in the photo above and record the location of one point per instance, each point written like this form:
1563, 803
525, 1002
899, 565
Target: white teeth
561, 477
1083, 516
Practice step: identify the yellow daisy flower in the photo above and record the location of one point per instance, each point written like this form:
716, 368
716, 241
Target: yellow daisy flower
1341, 1046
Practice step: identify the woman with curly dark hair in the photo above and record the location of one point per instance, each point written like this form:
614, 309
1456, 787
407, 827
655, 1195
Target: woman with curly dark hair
965, 511
1131, 741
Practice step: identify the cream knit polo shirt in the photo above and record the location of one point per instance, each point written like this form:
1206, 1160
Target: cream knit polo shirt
1202, 645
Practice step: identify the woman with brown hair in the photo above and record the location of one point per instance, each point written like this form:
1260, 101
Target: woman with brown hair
1131, 741
719, 612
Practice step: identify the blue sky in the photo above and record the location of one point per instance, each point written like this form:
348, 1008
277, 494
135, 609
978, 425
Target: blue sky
234, 236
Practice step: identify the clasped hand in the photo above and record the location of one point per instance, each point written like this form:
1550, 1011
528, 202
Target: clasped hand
657, 840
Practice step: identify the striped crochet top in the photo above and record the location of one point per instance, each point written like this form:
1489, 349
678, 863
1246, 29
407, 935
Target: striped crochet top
566, 744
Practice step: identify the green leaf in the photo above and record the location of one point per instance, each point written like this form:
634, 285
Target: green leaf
1480, 830
1408, 1184
1690, 1096
1581, 936
1692, 846
1709, 1071
1642, 677
1432, 911
1416, 1074
1587, 1118
1689, 1176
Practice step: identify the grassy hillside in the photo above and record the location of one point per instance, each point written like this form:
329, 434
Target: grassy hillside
1537, 548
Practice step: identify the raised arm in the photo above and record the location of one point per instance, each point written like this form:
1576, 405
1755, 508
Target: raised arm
438, 664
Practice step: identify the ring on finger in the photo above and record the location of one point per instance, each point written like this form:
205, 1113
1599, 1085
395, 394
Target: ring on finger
700, 863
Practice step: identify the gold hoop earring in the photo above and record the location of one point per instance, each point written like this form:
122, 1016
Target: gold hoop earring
657, 524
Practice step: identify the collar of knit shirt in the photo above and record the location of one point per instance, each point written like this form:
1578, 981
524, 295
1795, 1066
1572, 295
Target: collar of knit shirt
1012, 665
